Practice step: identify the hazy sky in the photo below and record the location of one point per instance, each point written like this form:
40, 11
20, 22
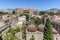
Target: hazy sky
37, 4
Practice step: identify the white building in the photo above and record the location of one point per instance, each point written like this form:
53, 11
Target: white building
38, 34
21, 20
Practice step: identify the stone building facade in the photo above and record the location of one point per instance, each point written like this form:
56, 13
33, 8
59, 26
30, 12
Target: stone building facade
37, 35
28, 11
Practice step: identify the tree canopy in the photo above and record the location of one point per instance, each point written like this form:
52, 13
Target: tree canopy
50, 13
27, 15
32, 38
1, 36
48, 35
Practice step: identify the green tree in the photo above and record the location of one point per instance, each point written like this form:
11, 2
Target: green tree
32, 38
35, 20
16, 30
42, 12
32, 20
24, 27
23, 35
24, 31
27, 15
38, 21
1, 36
13, 12
48, 35
12, 32
11, 37
51, 13
3, 13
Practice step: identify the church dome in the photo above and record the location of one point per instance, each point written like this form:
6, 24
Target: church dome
31, 28
46, 15
41, 27
54, 31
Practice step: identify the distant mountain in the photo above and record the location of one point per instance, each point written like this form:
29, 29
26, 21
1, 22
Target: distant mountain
7, 10
53, 10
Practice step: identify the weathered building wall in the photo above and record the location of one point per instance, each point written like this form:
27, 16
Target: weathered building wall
31, 11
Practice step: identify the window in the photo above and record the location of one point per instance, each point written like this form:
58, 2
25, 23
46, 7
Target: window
26, 11
35, 12
8, 16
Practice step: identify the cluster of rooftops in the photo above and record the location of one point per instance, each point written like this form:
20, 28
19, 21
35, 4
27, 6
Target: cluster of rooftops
40, 28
